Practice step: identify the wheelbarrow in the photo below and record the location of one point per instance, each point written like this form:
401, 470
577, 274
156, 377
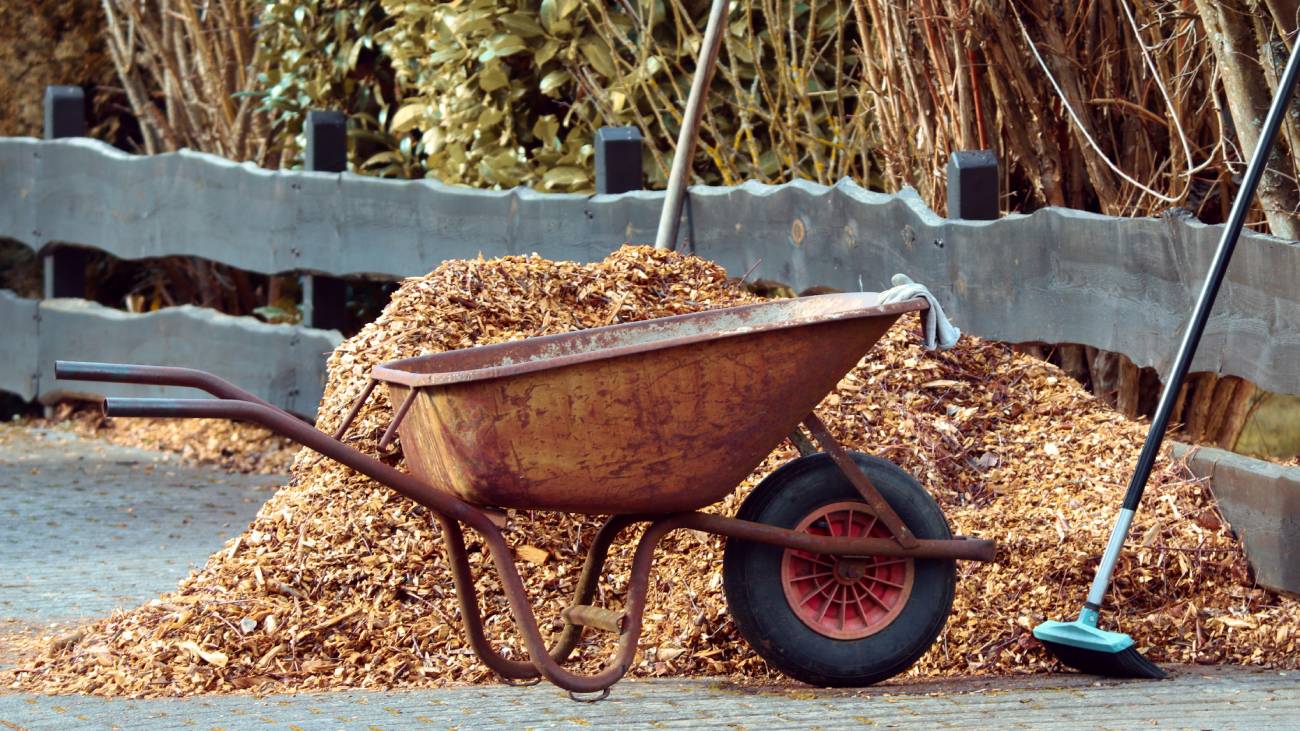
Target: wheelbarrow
839, 567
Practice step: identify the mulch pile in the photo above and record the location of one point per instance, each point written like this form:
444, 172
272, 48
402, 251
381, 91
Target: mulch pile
233, 446
341, 583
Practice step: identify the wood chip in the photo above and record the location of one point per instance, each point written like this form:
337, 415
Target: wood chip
532, 554
211, 657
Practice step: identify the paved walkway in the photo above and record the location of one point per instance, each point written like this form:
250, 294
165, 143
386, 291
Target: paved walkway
1219, 699
87, 527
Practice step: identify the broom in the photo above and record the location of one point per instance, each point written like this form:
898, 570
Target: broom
1080, 644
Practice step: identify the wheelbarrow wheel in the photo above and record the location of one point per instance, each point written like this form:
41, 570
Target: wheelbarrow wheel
824, 620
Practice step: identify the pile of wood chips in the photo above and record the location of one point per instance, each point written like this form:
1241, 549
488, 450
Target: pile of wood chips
339, 582
233, 446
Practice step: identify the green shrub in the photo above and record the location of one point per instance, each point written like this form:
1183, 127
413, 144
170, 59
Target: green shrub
324, 54
498, 93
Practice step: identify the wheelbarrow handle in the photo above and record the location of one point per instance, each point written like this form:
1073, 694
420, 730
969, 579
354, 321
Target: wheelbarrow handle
72, 370
289, 426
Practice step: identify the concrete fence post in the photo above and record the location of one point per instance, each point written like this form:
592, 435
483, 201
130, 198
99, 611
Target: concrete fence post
618, 160
973, 185
325, 298
64, 267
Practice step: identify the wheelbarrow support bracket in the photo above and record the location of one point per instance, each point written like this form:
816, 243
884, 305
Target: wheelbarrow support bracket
884, 513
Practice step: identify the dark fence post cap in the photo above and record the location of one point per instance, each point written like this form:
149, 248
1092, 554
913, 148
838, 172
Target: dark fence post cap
973, 185
618, 159
65, 112
327, 142
618, 134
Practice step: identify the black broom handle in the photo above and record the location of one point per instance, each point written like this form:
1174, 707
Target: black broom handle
1191, 338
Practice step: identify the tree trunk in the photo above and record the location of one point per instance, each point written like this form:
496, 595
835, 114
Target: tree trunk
1198, 408
1126, 397
1232, 36
1236, 410
1075, 362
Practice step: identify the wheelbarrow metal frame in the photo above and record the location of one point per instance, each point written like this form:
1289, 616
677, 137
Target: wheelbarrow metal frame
236, 404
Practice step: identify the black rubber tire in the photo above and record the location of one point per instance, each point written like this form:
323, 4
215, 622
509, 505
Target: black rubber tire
751, 577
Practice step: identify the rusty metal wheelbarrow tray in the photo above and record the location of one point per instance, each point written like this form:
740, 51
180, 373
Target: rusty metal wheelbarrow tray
657, 416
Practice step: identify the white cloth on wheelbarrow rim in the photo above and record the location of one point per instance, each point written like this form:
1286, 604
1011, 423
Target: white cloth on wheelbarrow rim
939, 331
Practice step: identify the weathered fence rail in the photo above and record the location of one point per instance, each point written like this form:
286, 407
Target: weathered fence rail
1123, 285
1261, 502
277, 362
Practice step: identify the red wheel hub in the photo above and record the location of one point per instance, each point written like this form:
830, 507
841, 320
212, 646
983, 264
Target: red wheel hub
846, 598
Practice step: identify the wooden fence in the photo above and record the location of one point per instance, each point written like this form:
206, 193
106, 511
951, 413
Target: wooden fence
1057, 276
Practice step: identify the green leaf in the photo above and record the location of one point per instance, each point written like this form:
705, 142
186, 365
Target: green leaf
383, 157
598, 56
489, 118
447, 55
566, 7
522, 24
502, 45
554, 81
546, 52
550, 13
547, 131
565, 178
493, 77
407, 118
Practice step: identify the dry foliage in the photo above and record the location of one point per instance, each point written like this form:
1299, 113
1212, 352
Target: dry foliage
44, 43
339, 582
1108, 105
187, 68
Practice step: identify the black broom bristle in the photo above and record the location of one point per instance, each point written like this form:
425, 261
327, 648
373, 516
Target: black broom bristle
1128, 663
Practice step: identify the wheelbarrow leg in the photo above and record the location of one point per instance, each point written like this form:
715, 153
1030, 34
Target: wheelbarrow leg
629, 632
509, 669
588, 580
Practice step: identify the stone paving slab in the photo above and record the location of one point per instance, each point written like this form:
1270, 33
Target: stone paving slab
1223, 699
87, 527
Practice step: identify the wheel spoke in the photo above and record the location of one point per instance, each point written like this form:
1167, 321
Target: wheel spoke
815, 591
862, 611
826, 605
803, 577
886, 582
876, 599
831, 521
817, 558
844, 602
